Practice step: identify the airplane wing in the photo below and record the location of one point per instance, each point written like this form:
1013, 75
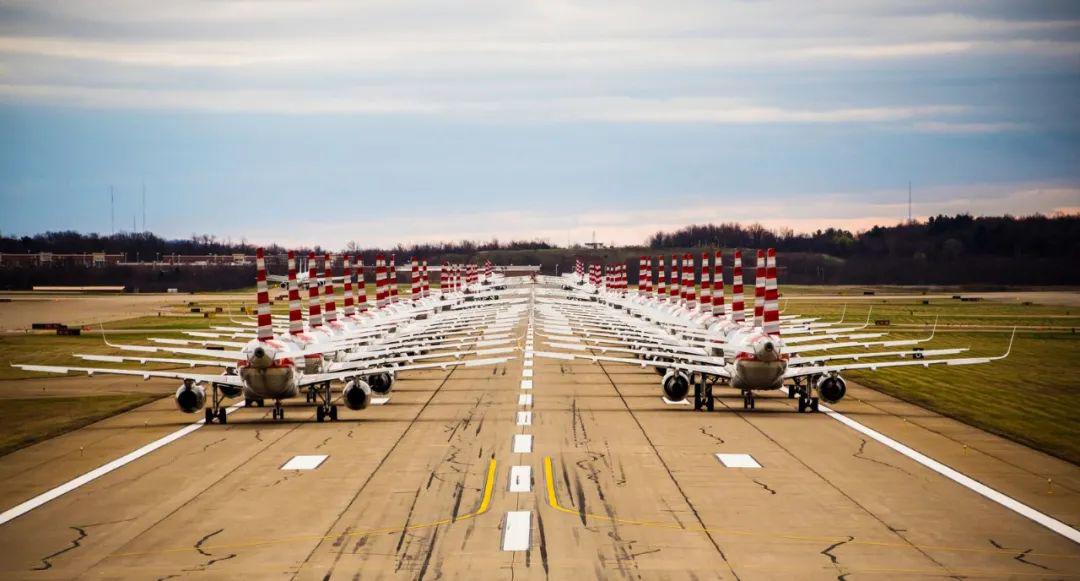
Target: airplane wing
232, 380
802, 360
145, 360
311, 378
873, 366
706, 369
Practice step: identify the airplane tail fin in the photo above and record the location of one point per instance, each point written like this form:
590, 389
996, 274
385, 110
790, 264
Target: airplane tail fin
414, 278
361, 285
772, 296
661, 279
328, 272
266, 325
380, 281
676, 276
296, 317
706, 284
738, 306
314, 306
425, 284
759, 289
392, 273
689, 288
350, 309
718, 284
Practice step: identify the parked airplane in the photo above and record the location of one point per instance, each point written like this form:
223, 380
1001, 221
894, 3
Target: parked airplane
669, 333
272, 367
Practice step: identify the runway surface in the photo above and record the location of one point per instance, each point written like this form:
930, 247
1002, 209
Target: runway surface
444, 481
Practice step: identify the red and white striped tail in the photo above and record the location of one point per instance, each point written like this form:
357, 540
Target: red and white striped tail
706, 284
262, 298
643, 276
296, 314
772, 297
392, 273
314, 307
328, 272
759, 290
425, 284
414, 278
676, 275
487, 270
718, 284
689, 288
661, 278
579, 269
361, 286
350, 309
738, 307
380, 281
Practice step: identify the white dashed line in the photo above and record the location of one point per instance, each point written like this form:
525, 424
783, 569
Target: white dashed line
680, 402
527, 373
526, 384
523, 444
524, 418
520, 478
304, 462
525, 399
516, 533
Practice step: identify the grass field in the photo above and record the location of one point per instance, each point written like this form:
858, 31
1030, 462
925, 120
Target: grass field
1027, 397
30, 420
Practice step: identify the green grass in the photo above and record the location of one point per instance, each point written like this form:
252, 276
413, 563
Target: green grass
1026, 397
30, 420
56, 350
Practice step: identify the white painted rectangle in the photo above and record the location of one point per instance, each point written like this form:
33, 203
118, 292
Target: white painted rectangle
738, 460
527, 373
524, 418
516, 533
523, 443
520, 478
680, 402
304, 462
525, 399
526, 384
528, 363
379, 400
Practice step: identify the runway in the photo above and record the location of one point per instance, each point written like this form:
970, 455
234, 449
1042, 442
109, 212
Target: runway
538, 469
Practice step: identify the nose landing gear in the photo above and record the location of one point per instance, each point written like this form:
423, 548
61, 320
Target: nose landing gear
278, 412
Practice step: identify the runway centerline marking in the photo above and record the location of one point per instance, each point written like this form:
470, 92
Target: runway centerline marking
680, 402
525, 399
524, 418
527, 373
520, 479
518, 527
27, 506
523, 443
526, 384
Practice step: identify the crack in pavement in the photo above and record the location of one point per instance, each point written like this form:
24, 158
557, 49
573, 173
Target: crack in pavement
198, 547
765, 486
860, 455
1021, 557
718, 439
75, 544
828, 553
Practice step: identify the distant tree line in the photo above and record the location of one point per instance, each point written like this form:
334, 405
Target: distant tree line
941, 238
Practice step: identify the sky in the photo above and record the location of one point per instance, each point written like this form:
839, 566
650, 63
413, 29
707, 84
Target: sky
385, 122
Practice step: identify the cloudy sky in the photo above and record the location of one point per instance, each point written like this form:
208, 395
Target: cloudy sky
391, 121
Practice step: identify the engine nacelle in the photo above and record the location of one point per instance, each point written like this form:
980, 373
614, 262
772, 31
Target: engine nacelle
191, 397
381, 382
831, 388
357, 394
676, 385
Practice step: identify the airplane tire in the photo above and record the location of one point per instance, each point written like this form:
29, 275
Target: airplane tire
791, 392
209, 416
814, 404
710, 402
259, 402
333, 413
247, 402
802, 404
320, 414
221, 416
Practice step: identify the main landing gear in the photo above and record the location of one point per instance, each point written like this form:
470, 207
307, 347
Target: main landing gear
216, 410
801, 390
703, 392
326, 409
278, 412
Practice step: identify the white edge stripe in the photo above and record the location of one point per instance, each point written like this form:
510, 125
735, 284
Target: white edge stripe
1006, 501
100, 471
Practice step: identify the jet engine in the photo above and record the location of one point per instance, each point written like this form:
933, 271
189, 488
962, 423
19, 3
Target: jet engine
381, 382
191, 397
676, 385
831, 388
357, 394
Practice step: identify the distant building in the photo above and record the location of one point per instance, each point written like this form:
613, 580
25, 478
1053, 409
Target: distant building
26, 260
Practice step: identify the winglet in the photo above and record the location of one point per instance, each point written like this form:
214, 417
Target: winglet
843, 314
868, 313
1007, 350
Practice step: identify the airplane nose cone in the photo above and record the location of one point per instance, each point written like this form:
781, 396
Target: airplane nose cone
259, 353
766, 351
